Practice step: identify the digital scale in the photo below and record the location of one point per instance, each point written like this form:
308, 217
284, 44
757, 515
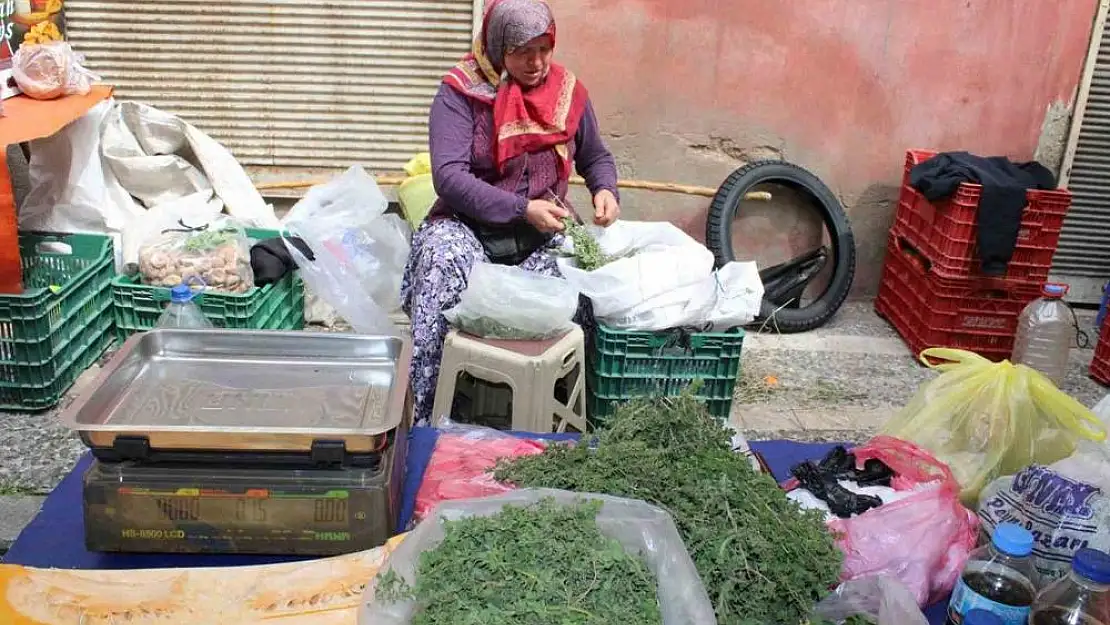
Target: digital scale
245, 442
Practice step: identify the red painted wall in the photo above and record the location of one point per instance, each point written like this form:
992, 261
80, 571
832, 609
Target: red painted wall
688, 89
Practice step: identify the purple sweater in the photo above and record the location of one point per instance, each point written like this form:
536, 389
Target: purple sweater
464, 174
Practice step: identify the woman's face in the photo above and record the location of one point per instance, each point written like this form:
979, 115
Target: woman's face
528, 64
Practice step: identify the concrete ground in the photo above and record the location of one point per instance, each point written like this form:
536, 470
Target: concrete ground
839, 383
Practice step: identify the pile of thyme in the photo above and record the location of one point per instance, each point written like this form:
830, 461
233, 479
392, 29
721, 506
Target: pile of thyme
588, 255
489, 327
544, 563
762, 559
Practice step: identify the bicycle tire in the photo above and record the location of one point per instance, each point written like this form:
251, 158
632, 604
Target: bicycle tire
718, 236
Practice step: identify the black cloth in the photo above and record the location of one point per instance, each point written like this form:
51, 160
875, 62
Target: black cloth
1001, 203
270, 260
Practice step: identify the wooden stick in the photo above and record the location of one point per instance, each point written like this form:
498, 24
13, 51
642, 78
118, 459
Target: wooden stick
390, 180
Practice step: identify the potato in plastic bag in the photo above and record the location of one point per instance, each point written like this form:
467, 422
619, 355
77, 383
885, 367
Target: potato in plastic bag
51, 70
217, 255
987, 419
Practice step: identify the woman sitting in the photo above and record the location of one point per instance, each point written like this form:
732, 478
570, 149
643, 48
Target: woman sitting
505, 131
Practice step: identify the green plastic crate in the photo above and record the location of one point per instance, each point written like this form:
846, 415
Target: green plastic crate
625, 364
65, 288
81, 353
278, 306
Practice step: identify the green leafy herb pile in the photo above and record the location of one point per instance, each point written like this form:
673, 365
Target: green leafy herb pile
762, 560
488, 327
544, 563
588, 255
210, 239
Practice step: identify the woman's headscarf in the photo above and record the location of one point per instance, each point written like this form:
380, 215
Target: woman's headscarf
524, 120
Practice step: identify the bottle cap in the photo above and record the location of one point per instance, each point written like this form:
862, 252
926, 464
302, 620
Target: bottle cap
982, 617
181, 293
1054, 290
1093, 565
1012, 540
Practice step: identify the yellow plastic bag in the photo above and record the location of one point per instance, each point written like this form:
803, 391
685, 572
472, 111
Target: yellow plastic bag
988, 419
417, 194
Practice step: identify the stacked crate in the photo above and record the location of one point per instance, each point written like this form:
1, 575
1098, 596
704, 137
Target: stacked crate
61, 323
932, 290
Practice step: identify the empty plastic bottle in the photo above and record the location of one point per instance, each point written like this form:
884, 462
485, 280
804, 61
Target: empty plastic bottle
1045, 332
1080, 598
183, 312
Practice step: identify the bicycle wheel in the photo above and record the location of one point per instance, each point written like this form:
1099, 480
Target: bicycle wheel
804, 292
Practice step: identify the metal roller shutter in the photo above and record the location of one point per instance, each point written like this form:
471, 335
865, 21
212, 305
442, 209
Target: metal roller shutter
284, 84
1083, 255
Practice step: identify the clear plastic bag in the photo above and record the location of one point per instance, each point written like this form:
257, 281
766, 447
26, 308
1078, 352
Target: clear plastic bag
502, 302
639, 527
360, 251
987, 419
882, 600
51, 70
462, 462
217, 255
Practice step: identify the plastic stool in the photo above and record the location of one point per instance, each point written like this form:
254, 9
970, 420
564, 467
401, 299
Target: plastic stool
530, 368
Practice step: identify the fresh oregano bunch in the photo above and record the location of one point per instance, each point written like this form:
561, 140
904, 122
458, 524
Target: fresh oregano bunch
588, 255
546, 563
763, 560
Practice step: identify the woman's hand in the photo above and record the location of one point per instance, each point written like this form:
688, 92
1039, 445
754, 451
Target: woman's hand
606, 208
545, 216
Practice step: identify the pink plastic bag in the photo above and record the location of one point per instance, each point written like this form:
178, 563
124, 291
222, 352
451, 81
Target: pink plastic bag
461, 464
923, 540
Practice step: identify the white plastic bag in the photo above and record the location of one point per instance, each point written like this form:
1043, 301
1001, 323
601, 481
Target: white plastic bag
502, 302
360, 252
727, 298
48, 71
88, 176
883, 600
639, 527
1065, 505
653, 258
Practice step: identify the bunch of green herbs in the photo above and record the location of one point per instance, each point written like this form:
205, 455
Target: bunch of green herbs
588, 255
543, 563
488, 327
205, 240
763, 560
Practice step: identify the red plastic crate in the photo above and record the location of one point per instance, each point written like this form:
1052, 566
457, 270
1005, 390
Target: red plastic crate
978, 315
1100, 362
946, 232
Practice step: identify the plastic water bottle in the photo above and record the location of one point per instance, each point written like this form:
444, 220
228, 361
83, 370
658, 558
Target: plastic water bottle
1081, 598
998, 578
183, 312
1045, 332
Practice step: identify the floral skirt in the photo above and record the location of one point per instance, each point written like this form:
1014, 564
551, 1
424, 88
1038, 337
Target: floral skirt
443, 252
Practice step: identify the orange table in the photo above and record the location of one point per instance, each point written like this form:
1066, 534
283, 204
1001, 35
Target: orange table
26, 119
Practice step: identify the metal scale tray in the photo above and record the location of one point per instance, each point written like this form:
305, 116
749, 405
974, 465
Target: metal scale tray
227, 396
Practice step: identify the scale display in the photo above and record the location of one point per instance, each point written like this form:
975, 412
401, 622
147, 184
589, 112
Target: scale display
275, 512
293, 516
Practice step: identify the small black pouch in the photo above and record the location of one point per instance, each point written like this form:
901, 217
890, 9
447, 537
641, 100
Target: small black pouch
508, 244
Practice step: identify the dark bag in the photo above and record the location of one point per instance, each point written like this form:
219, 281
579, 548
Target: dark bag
509, 244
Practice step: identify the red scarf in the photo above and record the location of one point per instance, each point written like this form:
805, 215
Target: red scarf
524, 120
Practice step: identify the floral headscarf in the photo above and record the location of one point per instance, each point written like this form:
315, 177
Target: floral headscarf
526, 120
